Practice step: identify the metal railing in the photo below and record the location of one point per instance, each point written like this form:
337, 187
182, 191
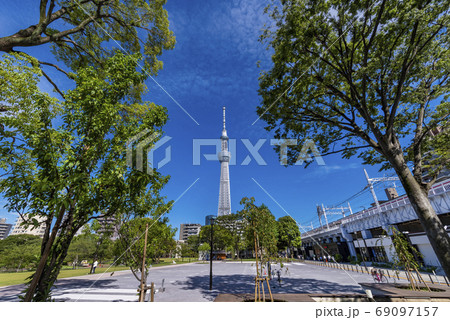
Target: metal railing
390, 273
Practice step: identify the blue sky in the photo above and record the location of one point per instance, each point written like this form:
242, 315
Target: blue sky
214, 64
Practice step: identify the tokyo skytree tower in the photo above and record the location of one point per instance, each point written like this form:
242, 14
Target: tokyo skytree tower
224, 158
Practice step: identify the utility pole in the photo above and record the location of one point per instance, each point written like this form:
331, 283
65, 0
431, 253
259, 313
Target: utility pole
320, 213
370, 185
337, 210
377, 204
369, 182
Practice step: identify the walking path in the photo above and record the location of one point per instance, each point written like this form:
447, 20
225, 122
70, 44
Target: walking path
190, 282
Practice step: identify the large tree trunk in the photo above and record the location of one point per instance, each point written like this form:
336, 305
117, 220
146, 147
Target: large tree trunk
52, 268
45, 252
418, 196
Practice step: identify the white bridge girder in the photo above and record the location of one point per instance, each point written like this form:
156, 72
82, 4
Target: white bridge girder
394, 211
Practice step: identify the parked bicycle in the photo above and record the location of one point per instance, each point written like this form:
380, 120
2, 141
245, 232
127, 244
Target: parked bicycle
378, 276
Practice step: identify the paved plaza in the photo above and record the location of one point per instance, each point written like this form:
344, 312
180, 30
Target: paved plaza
190, 282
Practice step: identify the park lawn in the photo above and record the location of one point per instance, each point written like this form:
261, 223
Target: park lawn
168, 261
11, 278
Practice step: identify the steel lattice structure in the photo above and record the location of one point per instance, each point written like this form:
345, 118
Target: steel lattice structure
224, 158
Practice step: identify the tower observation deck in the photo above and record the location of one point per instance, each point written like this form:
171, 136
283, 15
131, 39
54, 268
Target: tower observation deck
224, 159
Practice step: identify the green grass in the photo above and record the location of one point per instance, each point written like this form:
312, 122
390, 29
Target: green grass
12, 278
252, 259
168, 261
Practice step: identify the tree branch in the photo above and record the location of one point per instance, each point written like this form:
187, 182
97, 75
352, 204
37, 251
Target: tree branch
52, 83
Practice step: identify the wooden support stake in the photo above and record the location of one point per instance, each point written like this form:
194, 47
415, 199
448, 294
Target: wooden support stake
256, 287
143, 291
420, 278
259, 291
152, 292
263, 293
270, 291
257, 267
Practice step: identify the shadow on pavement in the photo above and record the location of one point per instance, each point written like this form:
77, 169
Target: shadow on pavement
68, 284
11, 293
238, 283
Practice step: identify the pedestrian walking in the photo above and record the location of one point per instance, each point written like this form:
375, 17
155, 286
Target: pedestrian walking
94, 266
279, 277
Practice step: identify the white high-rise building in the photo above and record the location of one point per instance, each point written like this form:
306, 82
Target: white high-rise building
189, 229
224, 158
37, 231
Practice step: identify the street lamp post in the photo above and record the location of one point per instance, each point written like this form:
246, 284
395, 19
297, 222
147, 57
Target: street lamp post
211, 253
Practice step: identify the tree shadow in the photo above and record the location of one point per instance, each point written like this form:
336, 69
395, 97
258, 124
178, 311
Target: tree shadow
11, 293
68, 283
238, 284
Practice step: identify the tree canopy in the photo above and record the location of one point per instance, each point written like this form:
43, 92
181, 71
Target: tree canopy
367, 79
260, 228
74, 170
130, 245
222, 237
288, 233
80, 33
234, 223
19, 251
90, 246
65, 160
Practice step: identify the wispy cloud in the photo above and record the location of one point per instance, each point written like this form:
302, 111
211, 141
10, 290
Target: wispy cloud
326, 170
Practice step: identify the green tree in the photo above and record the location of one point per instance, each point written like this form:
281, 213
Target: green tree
66, 161
82, 247
193, 242
406, 257
222, 237
19, 251
186, 251
204, 247
260, 230
102, 237
369, 79
78, 32
235, 225
288, 234
130, 245
90, 247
